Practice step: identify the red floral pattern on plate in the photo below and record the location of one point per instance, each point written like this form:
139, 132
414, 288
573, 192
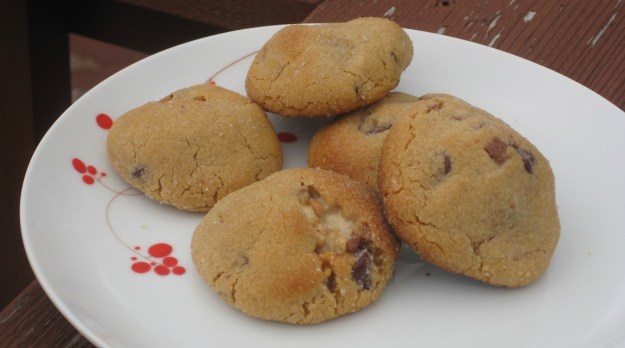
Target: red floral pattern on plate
287, 137
168, 264
159, 257
89, 173
104, 121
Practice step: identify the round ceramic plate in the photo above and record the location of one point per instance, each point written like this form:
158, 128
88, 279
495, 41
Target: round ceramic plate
118, 265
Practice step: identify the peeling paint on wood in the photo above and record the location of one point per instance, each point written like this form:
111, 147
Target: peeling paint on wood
389, 12
529, 16
594, 39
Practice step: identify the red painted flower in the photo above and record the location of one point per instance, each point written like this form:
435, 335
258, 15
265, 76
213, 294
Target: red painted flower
104, 121
168, 265
287, 137
89, 173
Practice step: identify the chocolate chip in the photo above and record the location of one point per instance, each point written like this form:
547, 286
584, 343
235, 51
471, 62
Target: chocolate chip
394, 57
496, 149
476, 247
242, 260
200, 98
436, 106
361, 271
356, 243
446, 164
526, 156
307, 193
167, 98
312, 192
138, 172
359, 239
479, 126
461, 117
331, 282
371, 126
379, 128
358, 89
528, 159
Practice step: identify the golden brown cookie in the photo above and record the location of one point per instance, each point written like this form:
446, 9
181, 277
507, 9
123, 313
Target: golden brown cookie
302, 246
351, 143
194, 146
469, 193
328, 69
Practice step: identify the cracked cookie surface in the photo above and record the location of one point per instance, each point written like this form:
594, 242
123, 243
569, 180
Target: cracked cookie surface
328, 69
301, 246
469, 193
351, 143
194, 146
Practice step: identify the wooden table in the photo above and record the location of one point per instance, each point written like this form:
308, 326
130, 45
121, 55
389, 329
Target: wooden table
584, 40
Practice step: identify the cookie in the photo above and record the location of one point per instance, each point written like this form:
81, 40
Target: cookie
328, 69
351, 143
194, 146
469, 193
301, 246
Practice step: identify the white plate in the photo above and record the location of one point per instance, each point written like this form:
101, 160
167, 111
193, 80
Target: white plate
82, 239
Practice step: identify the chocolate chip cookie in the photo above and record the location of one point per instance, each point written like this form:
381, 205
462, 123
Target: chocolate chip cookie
194, 146
469, 193
301, 246
351, 143
328, 69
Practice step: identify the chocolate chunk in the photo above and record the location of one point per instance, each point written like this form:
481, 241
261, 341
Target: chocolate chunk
460, 117
370, 125
436, 106
496, 149
446, 164
331, 282
359, 92
373, 127
200, 98
241, 261
167, 98
479, 125
394, 57
356, 243
379, 128
361, 271
359, 239
139, 172
528, 159
306, 194
312, 192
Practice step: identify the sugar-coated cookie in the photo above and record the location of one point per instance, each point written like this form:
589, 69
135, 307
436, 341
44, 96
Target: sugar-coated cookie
351, 143
469, 193
328, 69
193, 147
301, 246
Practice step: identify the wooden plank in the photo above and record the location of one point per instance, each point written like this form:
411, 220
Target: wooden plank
555, 34
150, 26
133, 27
49, 63
16, 145
31, 320
233, 15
